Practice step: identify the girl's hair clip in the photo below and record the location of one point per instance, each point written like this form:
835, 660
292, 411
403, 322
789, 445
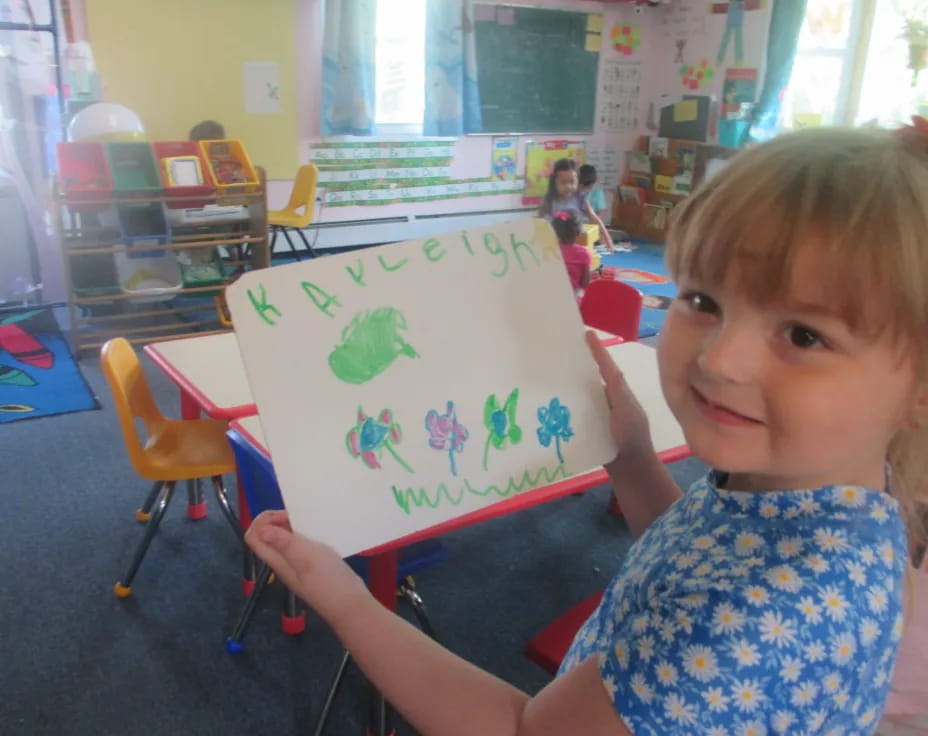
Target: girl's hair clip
565, 216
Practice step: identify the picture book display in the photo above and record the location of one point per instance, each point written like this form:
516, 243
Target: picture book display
405, 385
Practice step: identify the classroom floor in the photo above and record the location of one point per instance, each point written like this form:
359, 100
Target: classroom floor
76, 661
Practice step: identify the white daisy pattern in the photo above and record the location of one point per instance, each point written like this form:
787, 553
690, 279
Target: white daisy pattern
754, 613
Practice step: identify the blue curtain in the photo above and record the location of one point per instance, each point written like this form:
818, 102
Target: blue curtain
452, 102
786, 18
348, 67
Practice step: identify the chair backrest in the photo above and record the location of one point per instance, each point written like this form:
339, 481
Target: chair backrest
256, 474
612, 306
303, 193
131, 396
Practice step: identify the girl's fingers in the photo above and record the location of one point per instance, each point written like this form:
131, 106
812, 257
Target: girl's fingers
610, 372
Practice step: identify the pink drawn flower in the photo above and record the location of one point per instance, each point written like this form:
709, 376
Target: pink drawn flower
446, 433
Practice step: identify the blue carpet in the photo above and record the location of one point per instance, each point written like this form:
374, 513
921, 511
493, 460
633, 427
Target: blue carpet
644, 269
38, 375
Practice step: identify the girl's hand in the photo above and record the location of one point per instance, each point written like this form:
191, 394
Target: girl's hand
627, 419
312, 570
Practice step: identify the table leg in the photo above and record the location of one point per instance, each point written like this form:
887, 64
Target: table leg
196, 501
381, 578
248, 557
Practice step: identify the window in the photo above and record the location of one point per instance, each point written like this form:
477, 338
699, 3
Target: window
399, 60
852, 65
818, 92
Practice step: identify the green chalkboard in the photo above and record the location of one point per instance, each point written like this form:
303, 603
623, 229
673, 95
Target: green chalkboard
535, 74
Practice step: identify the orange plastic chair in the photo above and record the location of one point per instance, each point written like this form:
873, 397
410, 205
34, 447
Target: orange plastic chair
612, 306
302, 196
174, 449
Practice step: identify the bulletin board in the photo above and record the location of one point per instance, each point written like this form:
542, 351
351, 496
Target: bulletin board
402, 386
538, 67
539, 162
374, 172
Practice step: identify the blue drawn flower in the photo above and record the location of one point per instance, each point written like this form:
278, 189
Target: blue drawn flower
369, 437
554, 421
446, 433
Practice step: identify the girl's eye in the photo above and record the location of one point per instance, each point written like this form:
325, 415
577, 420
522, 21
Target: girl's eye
803, 337
701, 303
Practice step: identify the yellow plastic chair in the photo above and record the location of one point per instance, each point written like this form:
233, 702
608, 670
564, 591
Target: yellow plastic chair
174, 449
302, 196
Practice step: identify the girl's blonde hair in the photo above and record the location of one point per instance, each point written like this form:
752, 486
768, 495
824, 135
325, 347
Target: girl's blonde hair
859, 195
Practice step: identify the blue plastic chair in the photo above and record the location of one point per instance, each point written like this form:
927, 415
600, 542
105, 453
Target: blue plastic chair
262, 493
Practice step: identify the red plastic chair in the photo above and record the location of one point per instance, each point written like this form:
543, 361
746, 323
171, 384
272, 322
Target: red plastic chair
612, 306
549, 647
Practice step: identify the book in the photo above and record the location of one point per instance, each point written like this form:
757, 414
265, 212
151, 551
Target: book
663, 184
659, 146
638, 161
686, 156
631, 194
655, 216
643, 182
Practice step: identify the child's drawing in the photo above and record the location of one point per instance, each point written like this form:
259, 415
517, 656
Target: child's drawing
370, 344
554, 424
500, 422
446, 433
370, 437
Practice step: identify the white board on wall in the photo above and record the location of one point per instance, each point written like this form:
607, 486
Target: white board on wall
405, 385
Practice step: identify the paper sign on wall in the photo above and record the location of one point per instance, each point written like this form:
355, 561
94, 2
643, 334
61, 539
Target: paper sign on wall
261, 87
402, 386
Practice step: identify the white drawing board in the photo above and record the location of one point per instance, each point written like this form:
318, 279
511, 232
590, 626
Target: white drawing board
408, 384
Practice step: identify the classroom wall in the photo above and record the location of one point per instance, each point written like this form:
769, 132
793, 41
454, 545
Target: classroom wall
176, 62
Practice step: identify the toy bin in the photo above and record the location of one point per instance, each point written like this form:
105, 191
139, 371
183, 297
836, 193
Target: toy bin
149, 278
229, 167
201, 267
84, 175
183, 171
133, 168
143, 221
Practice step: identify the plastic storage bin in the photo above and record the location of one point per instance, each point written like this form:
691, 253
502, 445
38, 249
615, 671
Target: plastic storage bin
133, 168
144, 221
164, 150
229, 167
84, 175
152, 278
201, 267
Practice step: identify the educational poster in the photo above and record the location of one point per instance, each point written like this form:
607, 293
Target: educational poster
405, 385
386, 172
626, 38
683, 25
505, 157
738, 90
261, 87
733, 33
607, 160
619, 95
539, 162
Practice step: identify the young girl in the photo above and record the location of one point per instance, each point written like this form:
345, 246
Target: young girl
564, 195
577, 258
768, 598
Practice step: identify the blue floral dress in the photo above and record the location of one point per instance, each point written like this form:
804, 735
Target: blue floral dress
748, 614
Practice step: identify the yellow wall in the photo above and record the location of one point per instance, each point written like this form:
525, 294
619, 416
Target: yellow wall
176, 62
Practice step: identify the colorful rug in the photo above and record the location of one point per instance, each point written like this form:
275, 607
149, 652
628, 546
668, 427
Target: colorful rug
38, 375
644, 269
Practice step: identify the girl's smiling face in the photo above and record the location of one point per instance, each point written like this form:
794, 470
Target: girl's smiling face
566, 183
787, 395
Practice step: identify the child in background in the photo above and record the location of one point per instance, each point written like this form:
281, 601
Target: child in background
577, 258
564, 195
587, 178
207, 130
769, 597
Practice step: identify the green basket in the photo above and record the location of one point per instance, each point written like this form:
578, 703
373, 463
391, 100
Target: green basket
133, 168
201, 267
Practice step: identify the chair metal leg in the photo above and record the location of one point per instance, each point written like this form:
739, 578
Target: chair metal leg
407, 590
309, 248
330, 696
379, 718
196, 503
223, 497
123, 587
286, 232
234, 640
144, 513
292, 617
274, 231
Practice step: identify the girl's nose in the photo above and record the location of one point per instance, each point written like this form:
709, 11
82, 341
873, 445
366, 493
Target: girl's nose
732, 352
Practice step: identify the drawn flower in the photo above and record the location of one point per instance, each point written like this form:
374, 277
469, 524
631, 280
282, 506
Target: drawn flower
555, 424
500, 422
625, 39
446, 433
369, 437
696, 76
